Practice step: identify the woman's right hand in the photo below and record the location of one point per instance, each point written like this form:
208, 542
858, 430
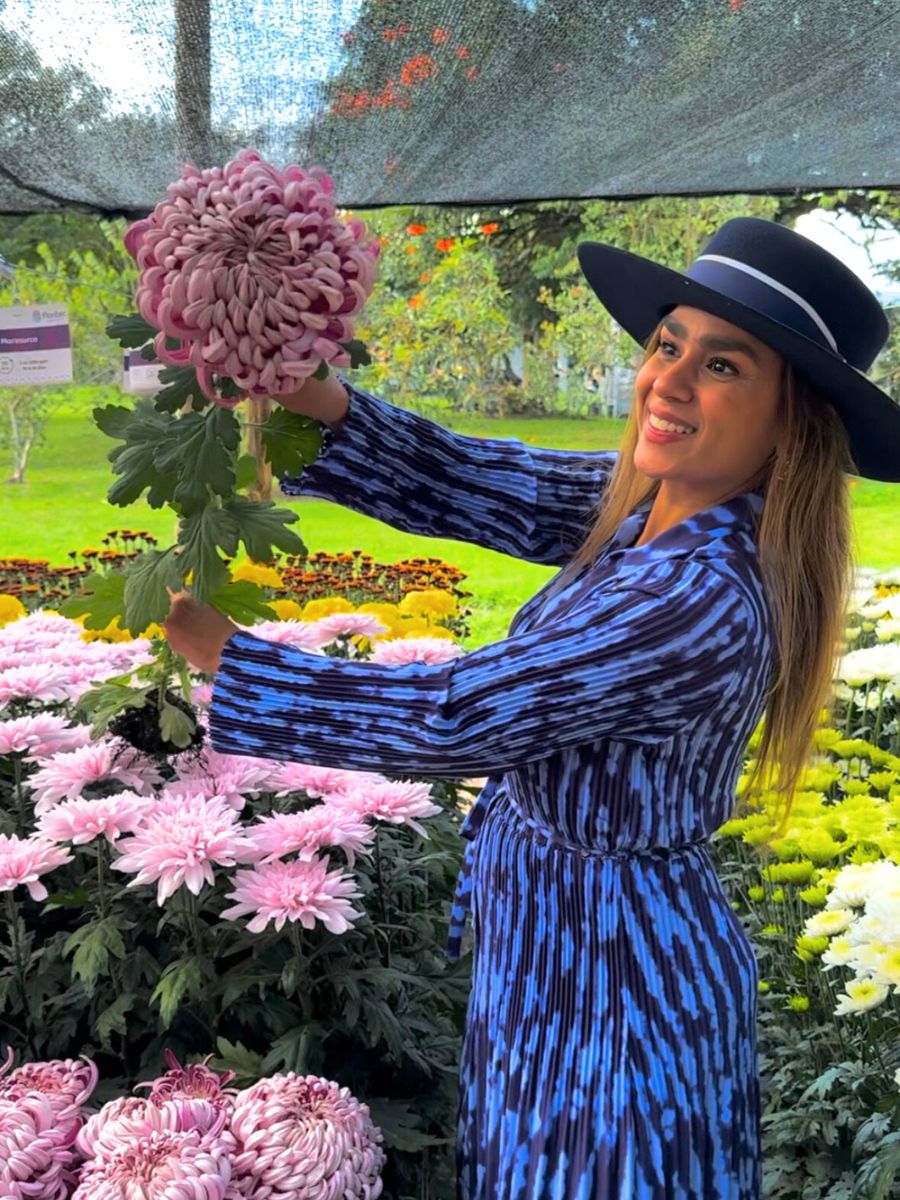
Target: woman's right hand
324, 399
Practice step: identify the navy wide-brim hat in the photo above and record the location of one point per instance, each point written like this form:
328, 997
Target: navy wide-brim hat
788, 292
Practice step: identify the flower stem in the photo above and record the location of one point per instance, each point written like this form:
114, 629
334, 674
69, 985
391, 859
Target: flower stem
12, 918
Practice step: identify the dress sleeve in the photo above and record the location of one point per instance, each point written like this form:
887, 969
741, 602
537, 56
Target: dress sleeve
638, 662
410, 472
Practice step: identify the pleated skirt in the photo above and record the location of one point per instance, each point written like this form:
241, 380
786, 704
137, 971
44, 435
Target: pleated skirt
610, 1045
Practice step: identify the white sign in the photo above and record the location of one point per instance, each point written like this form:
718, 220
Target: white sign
140, 376
35, 344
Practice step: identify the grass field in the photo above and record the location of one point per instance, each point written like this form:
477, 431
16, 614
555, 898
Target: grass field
62, 507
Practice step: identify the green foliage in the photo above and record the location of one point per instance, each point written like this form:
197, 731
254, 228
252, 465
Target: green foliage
290, 441
100, 601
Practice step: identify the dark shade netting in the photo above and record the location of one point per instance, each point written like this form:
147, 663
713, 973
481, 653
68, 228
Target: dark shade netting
448, 101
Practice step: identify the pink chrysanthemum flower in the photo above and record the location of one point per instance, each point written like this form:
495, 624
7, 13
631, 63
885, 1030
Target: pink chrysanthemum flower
65, 776
310, 831
180, 840
160, 1166
66, 1083
319, 782
346, 625
301, 634
400, 651
232, 776
294, 891
130, 1118
35, 1154
251, 271
80, 821
39, 733
397, 802
195, 1081
302, 1136
24, 860
34, 682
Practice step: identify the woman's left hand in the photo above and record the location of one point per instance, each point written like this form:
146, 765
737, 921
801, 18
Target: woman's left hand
197, 631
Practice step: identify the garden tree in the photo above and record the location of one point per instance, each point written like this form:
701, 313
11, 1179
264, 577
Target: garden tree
436, 325
93, 287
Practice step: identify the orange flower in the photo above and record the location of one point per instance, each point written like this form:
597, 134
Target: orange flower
416, 69
424, 277
472, 73
445, 244
415, 230
440, 36
411, 250
462, 51
416, 300
490, 228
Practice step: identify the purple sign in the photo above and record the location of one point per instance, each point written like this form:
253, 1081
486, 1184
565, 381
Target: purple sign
26, 341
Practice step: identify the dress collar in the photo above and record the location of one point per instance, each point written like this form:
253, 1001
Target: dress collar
737, 517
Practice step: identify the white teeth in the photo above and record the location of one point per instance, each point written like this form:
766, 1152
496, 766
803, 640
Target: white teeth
667, 426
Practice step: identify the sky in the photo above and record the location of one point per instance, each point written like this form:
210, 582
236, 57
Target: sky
134, 65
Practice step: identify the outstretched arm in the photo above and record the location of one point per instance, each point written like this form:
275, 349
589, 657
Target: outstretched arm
639, 661
410, 472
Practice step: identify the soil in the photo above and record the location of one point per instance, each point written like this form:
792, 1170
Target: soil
139, 727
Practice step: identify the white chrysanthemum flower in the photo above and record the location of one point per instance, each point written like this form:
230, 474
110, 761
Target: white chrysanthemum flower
856, 882
824, 924
860, 996
840, 953
861, 667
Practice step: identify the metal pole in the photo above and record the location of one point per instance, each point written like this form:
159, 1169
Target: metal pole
192, 82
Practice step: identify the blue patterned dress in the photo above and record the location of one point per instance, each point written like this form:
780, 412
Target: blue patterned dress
610, 1049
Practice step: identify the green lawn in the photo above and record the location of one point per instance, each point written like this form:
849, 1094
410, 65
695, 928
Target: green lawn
62, 507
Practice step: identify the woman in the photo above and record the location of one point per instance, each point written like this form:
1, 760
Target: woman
610, 1042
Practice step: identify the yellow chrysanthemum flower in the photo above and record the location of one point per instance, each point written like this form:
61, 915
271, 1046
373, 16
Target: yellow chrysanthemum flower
258, 573
153, 630
113, 632
756, 893
314, 610
814, 896
789, 872
286, 610
11, 608
834, 920
809, 948
432, 602
799, 1003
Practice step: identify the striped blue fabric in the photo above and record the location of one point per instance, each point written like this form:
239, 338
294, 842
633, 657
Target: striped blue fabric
610, 1044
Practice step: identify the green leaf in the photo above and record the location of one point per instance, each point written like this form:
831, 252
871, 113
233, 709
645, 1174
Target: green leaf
359, 354
92, 945
202, 450
321, 371
262, 528
201, 535
146, 598
179, 979
112, 1019
234, 1056
402, 1128
245, 472
290, 441
243, 601
130, 331
114, 420
135, 460
180, 386
176, 727
102, 597
227, 388
102, 703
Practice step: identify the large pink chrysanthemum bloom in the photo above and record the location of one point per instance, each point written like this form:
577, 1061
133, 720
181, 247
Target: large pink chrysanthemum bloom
25, 860
193, 1081
294, 891
80, 821
40, 734
319, 782
179, 842
397, 802
35, 1149
160, 1166
65, 776
66, 1082
304, 1138
33, 682
129, 1118
253, 273
310, 831
429, 650
232, 776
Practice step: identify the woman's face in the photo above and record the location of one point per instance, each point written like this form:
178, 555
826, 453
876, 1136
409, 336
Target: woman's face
722, 382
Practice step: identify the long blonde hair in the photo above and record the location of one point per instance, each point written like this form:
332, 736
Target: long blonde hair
806, 562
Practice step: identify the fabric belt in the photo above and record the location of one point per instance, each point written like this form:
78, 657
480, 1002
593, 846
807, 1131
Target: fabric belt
471, 828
